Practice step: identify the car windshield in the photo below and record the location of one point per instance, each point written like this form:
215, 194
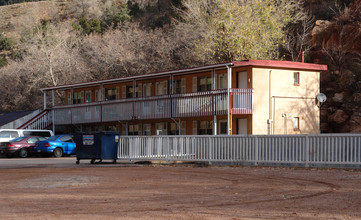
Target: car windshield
53, 138
18, 139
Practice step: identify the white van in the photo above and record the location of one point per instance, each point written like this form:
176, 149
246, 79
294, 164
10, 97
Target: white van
8, 134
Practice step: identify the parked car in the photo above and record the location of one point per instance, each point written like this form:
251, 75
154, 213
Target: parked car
21, 146
57, 145
8, 134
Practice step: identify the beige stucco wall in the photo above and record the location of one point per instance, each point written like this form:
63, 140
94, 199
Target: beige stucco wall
286, 99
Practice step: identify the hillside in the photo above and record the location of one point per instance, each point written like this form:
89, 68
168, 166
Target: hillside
16, 19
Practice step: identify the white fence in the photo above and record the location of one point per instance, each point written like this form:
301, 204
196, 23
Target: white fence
306, 150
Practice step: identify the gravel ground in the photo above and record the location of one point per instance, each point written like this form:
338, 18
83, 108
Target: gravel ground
179, 192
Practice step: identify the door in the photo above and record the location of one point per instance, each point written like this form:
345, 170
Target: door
242, 80
240, 99
242, 126
223, 126
68, 144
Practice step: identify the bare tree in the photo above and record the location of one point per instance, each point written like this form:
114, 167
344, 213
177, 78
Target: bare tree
298, 34
52, 58
134, 50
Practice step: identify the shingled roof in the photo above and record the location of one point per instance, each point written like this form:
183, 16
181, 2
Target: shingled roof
7, 117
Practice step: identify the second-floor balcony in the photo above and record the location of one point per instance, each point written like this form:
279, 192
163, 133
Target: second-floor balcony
158, 107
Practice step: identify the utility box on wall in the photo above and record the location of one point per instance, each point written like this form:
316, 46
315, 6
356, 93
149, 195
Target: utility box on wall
97, 146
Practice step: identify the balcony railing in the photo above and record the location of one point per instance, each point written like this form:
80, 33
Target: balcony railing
157, 107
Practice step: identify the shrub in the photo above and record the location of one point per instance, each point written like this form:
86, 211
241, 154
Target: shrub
5, 43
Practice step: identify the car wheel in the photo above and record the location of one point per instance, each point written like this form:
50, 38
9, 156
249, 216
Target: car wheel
58, 152
23, 153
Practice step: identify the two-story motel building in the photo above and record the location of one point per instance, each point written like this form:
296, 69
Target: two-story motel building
241, 97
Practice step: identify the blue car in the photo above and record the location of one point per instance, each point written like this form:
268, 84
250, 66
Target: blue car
57, 145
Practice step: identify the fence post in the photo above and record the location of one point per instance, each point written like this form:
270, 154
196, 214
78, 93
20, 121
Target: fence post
167, 156
307, 151
130, 148
256, 151
210, 150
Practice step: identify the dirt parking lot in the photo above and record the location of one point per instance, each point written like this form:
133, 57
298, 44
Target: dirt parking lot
179, 191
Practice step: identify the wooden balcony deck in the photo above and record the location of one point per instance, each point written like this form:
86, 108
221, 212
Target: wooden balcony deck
157, 107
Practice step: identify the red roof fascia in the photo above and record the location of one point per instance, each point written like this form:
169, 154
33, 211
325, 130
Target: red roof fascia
281, 64
259, 63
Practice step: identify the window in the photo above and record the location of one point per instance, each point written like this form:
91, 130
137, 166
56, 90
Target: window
134, 130
205, 84
296, 78
161, 88
206, 127
78, 97
130, 91
161, 128
147, 129
147, 89
66, 139
88, 96
139, 90
173, 129
37, 133
97, 95
32, 140
179, 86
222, 81
9, 134
110, 94
296, 123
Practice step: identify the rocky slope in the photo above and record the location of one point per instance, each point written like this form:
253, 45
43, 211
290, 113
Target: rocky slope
337, 44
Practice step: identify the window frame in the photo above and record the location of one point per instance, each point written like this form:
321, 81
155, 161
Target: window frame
296, 78
221, 78
296, 127
147, 129
129, 92
112, 96
205, 128
147, 89
173, 128
207, 85
67, 138
134, 129
88, 96
77, 97
161, 127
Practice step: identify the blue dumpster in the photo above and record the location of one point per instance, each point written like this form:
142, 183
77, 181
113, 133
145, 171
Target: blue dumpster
97, 146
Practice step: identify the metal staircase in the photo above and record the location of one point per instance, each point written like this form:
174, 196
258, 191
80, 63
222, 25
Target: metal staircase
40, 121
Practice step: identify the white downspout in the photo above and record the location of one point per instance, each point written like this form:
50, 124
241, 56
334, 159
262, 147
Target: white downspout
270, 120
214, 87
229, 86
44, 100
